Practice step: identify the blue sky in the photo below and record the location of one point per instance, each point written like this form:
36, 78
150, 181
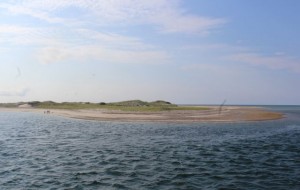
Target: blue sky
183, 51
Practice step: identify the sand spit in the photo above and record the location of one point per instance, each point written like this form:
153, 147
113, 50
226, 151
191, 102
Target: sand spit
228, 114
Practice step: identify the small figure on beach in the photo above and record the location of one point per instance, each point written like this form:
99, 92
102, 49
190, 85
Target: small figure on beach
221, 106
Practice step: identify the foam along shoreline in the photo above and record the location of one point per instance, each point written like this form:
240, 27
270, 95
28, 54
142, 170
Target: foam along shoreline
228, 114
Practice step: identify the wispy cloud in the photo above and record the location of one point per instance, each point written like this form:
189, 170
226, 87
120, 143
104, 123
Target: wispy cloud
18, 93
82, 45
165, 15
13, 29
15, 34
270, 61
178, 22
219, 47
83, 54
79, 29
24, 8
112, 40
23, 35
241, 55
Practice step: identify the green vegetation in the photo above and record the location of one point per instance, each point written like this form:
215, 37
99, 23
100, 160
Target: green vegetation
132, 105
8, 105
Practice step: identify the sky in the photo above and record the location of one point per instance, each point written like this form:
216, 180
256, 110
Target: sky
182, 51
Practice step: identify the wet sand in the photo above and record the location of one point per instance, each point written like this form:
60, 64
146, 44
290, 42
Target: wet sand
228, 114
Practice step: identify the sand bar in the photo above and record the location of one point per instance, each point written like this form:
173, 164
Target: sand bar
228, 114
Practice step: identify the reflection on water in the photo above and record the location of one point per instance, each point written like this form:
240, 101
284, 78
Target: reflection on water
48, 152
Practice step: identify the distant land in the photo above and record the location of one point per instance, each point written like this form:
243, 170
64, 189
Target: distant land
131, 105
142, 111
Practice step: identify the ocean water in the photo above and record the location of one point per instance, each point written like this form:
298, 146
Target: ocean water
48, 152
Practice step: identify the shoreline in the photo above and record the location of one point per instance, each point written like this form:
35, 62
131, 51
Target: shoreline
228, 114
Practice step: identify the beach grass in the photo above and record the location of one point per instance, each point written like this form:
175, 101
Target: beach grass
131, 106
145, 108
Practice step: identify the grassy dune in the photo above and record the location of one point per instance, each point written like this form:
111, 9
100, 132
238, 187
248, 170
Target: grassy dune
132, 105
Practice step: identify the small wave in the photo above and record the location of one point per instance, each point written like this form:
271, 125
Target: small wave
83, 173
45, 153
293, 127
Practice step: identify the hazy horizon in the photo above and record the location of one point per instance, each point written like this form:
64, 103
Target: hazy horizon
185, 52
179, 104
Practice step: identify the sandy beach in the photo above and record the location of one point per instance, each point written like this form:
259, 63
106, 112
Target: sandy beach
228, 114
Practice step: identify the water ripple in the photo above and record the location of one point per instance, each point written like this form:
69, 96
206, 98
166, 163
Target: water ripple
41, 152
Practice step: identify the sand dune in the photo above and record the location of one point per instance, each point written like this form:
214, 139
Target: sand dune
228, 114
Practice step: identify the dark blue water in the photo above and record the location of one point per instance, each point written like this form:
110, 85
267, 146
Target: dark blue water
48, 152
